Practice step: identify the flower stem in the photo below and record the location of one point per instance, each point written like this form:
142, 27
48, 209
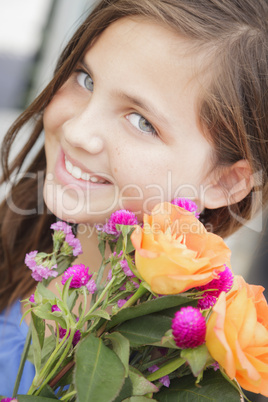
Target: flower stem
22, 362
140, 292
48, 364
80, 322
96, 304
64, 354
67, 396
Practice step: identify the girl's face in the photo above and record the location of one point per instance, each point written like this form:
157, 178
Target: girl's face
123, 132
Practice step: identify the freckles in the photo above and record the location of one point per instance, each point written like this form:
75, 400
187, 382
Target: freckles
115, 170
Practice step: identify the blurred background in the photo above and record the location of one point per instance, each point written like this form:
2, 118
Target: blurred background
32, 34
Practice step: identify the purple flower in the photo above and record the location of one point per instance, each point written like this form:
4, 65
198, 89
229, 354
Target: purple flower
80, 276
31, 298
187, 204
188, 328
76, 338
30, 259
63, 226
91, 286
121, 302
164, 380
74, 243
223, 284
125, 268
215, 366
121, 217
55, 308
39, 272
110, 275
9, 400
137, 285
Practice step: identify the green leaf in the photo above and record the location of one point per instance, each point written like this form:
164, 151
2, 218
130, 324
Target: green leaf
48, 347
138, 399
166, 368
121, 348
22, 360
119, 244
44, 311
71, 299
213, 388
196, 358
141, 386
38, 335
125, 229
99, 373
148, 307
47, 392
45, 292
102, 246
126, 391
145, 330
32, 398
65, 290
97, 313
167, 341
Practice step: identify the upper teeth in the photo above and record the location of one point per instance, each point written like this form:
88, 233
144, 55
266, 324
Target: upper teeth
77, 173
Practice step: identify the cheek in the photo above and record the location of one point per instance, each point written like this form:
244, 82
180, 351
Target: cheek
53, 117
58, 111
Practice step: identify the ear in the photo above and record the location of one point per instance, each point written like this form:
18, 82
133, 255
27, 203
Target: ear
232, 184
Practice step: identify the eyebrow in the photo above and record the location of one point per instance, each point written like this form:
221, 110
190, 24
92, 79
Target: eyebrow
149, 108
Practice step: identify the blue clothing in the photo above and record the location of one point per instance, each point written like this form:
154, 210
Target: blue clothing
12, 339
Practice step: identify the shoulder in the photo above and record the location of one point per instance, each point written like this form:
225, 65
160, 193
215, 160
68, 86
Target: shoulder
12, 338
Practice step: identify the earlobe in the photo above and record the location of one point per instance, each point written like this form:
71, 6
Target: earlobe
232, 184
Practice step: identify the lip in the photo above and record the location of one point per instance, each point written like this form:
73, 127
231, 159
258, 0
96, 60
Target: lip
66, 178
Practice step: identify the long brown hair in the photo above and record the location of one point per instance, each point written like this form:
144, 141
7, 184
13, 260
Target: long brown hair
232, 112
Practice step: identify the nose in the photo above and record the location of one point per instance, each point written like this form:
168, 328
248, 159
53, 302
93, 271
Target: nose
84, 129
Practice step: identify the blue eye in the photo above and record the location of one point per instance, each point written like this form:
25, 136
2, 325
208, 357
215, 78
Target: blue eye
85, 81
141, 123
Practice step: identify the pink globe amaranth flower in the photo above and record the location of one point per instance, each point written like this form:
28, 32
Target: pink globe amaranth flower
30, 259
39, 272
74, 243
91, 286
121, 217
164, 380
206, 302
127, 271
63, 226
188, 328
9, 400
223, 284
187, 204
80, 276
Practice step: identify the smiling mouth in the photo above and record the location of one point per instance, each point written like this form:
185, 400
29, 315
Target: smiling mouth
78, 173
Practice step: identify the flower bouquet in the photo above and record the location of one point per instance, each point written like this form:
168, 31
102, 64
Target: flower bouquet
170, 322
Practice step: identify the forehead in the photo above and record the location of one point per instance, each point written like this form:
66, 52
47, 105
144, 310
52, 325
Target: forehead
140, 57
146, 38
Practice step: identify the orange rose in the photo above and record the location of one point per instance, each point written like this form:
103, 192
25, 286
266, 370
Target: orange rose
174, 252
237, 336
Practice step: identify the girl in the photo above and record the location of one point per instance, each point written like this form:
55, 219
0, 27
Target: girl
151, 100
